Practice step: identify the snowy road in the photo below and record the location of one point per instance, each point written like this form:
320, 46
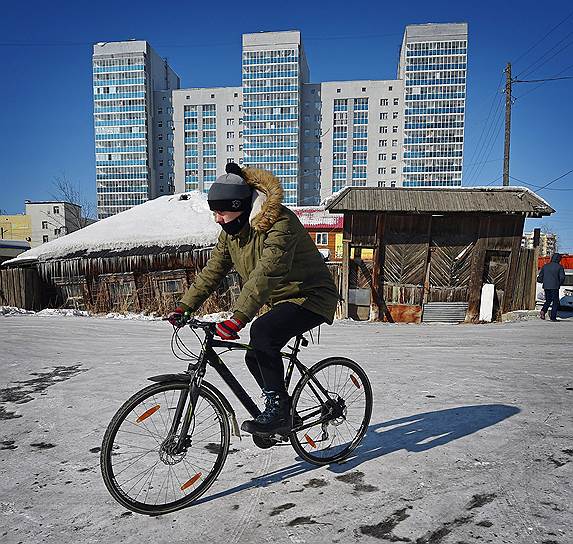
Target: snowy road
471, 438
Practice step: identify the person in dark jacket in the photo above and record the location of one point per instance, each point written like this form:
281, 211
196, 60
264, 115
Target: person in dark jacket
279, 265
552, 276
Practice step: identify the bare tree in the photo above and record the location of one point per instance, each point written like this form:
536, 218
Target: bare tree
67, 191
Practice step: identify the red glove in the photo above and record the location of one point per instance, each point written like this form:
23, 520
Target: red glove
177, 317
228, 329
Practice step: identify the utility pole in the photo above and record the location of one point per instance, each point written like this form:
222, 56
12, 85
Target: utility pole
507, 124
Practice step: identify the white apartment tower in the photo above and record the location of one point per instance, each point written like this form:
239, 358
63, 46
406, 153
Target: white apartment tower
433, 66
274, 68
125, 76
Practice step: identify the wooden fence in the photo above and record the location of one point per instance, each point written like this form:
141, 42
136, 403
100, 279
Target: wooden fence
23, 288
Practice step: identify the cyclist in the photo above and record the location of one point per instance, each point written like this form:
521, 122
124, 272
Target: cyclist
279, 265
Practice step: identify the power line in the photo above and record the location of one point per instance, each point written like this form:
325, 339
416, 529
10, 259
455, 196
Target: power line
531, 68
542, 38
539, 186
556, 179
538, 80
548, 79
491, 135
495, 94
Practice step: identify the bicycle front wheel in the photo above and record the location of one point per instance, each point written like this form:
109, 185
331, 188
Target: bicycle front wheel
141, 466
328, 427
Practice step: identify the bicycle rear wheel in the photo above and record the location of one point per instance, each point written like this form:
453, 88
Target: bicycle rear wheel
139, 466
330, 428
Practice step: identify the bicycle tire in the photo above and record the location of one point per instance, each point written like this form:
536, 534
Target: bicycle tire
351, 380
196, 483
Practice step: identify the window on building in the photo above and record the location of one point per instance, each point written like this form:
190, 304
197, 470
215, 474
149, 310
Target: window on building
383, 130
45, 238
381, 184
383, 101
394, 115
159, 111
393, 183
240, 134
235, 95
322, 238
363, 89
395, 128
160, 149
396, 101
382, 156
382, 170
230, 134
389, 87
229, 107
394, 156
160, 175
160, 124
383, 115
230, 122
394, 143
230, 148
337, 90
240, 147
160, 137
212, 96
160, 163
382, 143
56, 209
44, 224
393, 170
56, 232
230, 159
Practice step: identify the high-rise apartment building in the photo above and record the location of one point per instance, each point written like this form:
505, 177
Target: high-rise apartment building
316, 137
433, 66
125, 76
274, 69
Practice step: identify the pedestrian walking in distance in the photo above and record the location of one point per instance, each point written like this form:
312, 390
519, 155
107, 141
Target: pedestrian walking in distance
552, 276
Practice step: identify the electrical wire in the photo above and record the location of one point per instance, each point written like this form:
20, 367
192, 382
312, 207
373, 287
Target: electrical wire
542, 38
533, 68
539, 186
548, 79
479, 142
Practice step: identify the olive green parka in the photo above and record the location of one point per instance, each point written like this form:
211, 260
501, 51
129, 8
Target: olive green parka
274, 256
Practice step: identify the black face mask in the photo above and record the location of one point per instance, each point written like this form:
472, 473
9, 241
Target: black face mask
236, 225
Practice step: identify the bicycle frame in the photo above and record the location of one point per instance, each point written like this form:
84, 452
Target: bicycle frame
196, 372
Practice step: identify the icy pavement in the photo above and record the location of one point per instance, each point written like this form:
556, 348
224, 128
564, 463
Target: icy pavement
470, 439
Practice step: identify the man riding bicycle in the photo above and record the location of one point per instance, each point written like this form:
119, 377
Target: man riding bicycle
279, 265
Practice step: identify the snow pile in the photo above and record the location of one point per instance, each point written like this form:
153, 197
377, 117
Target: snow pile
171, 220
132, 316
12, 310
63, 312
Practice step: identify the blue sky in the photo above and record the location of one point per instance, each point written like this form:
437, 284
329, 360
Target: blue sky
46, 127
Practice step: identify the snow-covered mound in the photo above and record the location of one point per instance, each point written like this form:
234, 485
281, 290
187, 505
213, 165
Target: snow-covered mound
171, 220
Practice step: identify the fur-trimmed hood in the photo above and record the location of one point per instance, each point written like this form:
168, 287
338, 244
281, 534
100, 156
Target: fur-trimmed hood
267, 198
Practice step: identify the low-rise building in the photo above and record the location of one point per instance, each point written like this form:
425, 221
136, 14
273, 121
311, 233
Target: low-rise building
51, 219
547, 243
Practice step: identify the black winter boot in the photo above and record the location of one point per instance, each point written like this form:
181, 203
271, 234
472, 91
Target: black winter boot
275, 419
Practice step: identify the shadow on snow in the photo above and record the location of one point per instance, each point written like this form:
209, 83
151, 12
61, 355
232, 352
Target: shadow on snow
415, 433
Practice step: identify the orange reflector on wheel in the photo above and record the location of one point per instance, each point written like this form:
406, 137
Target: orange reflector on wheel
310, 441
147, 413
190, 482
355, 381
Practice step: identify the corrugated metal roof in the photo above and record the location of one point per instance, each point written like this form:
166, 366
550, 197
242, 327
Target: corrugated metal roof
440, 200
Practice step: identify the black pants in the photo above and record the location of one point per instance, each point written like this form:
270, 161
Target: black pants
551, 298
269, 334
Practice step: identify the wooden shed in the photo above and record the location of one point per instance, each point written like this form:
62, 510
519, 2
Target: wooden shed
433, 250
142, 259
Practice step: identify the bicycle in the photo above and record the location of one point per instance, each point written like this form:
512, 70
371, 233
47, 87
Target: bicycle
167, 444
